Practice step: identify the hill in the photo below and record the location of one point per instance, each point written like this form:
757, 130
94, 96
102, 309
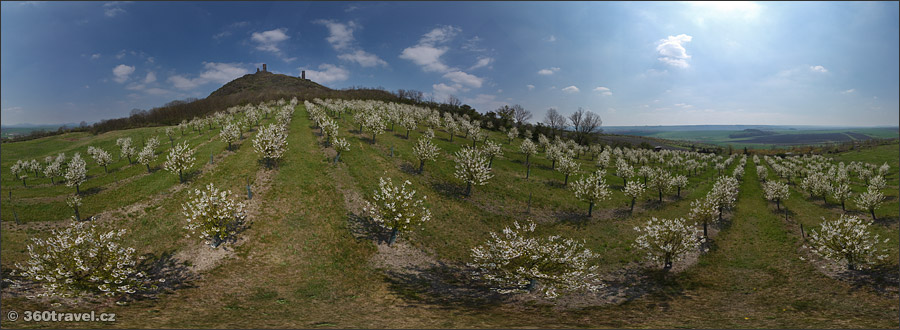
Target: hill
750, 132
265, 82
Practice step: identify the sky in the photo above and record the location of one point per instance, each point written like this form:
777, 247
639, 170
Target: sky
632, 63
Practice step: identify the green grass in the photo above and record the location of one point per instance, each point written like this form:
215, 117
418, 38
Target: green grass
302, 268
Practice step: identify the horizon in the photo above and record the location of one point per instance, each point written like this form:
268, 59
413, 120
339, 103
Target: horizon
634, 64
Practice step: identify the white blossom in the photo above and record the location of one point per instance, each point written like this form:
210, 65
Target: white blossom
847, 239
213, 215
667, 241
397, 208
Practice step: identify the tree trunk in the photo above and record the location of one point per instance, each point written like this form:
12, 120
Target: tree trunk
180, 177
679, 191
872, 210
77, 216
393, 237
590, 208
633, 199
421, 165
407, 134
705, 232
528, 171
842, 206
660, 195
473, 142
566, 183
77, 190
148, 167
373, 138
468, 189
105, 169
553, 165
491, 162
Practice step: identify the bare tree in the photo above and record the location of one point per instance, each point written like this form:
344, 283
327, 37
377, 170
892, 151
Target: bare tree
522, 115
453, 101
590, 124
554, 120
576, 119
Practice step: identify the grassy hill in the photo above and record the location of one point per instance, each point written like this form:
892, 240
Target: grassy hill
307, 259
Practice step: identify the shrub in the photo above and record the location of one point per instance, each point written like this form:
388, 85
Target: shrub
847, 239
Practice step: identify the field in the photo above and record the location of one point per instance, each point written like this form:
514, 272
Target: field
310, 258
780, 136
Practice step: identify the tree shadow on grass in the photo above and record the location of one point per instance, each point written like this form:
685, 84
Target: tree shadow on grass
448, 189
165, 272
408, 168
885, 279
442, 284
363, 227
91, 191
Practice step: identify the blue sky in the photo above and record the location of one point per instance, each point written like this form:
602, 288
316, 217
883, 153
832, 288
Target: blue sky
665, 63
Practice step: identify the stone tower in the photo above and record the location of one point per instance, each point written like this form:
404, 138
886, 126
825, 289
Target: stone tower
264, 68
303, 74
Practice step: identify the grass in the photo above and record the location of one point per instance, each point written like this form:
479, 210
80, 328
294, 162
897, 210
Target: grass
302, 268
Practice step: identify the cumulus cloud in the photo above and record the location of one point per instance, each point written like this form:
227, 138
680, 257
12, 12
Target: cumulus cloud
570, 90
363, 58
95, 56
426, 53
426, 56
327, 73
442, 91
603, 91
341, 35
849, 91
551, 38
818, 68
547, 72
484, 101
151, 77
269, 40
672, 52
121, 73
213, 72
465, 79
530, 87
482, 62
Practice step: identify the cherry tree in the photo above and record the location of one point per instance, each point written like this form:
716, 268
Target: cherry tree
567, 166
491, 149
230, 133
591, 189
870, 200
705, 211
425, 150
127, 149
100, 156
634, 190
841, 192
179, 159
83, 258
679, 181
74, 202
528, 148
512, 134
776, 191
519, 262
849, 240
660, 180
213, 215
624, 170
340, 145
667, 241
19, 171
472, 168
76, 172
397, 208
270, 143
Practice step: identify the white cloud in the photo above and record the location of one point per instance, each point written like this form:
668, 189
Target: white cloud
183, 83
121, 72
113, 12
219, 73
472, 45
269, 40
157, 91
428, 57
442, 91
849, 91
482, 62
463, 78
818, 68
95, 56
120, 55
672, 52
426, 54
570, 90
551, 38
341, 35
603, 91
684, 105
364, 59
486, 102
151, 77
327, 73
547, 72
439, 35
530, 87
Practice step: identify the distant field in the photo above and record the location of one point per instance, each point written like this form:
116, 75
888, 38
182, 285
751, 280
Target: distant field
10, 132
778, 136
